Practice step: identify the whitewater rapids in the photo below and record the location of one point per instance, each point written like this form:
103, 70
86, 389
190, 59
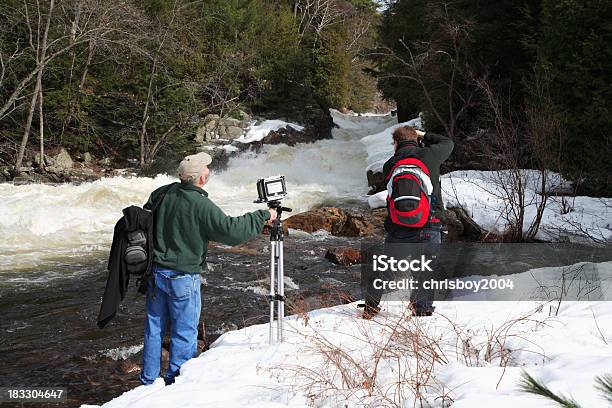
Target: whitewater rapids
56, 225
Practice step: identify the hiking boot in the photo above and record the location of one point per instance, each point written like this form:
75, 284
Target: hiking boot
420, 311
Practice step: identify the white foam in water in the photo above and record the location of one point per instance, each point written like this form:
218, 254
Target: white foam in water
122, 353
39, 223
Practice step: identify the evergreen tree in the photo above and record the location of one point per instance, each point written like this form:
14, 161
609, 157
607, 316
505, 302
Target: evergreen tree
575, 52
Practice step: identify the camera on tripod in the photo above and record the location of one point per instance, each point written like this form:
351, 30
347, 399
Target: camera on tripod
271, 189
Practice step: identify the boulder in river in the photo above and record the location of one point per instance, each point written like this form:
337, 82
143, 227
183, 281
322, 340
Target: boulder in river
344, 256
330, 219
336, 221
376, 182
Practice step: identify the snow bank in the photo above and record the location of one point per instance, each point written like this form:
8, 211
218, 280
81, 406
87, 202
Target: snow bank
258, 132
566, 352
482, 195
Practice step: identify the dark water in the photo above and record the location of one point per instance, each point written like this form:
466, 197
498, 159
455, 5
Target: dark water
48, 332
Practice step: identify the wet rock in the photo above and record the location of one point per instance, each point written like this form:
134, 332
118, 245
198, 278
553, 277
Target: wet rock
290, 136
27, 178
106, 161
344, 256
471, 230
329, 219
376, 182
355, 226
317, 121
333, 220
453, 226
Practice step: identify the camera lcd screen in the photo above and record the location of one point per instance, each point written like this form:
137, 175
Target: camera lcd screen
275, 187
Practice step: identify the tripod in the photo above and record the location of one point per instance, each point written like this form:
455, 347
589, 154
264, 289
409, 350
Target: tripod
277, 266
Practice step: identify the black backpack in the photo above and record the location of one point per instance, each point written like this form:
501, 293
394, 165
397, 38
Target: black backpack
138, 254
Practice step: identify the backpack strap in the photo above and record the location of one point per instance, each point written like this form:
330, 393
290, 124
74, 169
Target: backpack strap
160, 199
141, 281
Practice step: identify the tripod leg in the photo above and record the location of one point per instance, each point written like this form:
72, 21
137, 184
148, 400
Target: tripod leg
272, 262
281, 291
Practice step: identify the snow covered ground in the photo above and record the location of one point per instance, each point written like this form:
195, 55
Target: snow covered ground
483, 194
468, 353
258, 132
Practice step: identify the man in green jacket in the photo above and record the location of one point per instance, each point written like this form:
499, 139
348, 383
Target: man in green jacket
185, 221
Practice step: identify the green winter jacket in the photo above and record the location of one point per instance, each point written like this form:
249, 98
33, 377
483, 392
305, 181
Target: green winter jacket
187, 220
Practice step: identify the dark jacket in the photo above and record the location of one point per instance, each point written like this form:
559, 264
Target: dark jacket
134, 218
436, 150
187, 220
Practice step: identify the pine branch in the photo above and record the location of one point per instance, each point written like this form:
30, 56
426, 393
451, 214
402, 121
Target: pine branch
604, 386
531, 385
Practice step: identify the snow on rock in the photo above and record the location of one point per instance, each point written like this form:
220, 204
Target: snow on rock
378, 200
258, 132
380, 147
566, 352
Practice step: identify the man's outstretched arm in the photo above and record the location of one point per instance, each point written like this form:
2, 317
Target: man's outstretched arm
220, 227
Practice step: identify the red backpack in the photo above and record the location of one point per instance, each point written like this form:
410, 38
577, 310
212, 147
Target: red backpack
408, 193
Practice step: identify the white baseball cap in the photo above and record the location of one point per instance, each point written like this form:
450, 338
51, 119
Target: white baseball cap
193, 165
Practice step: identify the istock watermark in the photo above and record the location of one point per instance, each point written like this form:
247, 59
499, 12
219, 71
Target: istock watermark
383, 263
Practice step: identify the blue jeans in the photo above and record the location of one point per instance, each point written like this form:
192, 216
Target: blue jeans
175, 299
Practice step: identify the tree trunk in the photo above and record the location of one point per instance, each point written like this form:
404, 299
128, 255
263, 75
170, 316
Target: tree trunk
41, 127
26, 132
40, 61
145, 115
